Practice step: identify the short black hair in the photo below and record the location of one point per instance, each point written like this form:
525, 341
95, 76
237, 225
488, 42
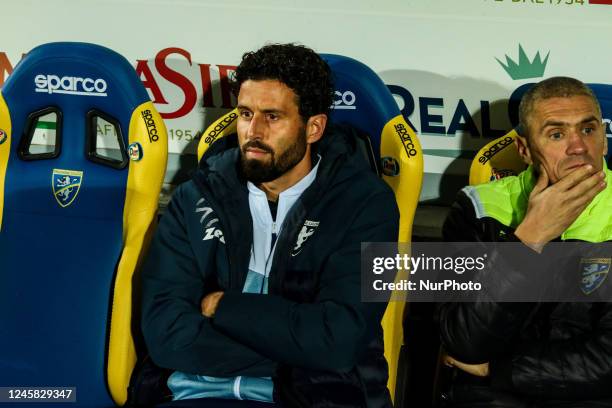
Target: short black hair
555, 87
298, 67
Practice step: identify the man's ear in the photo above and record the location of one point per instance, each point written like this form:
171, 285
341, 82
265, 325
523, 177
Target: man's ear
315, 126
523, 149
605, 143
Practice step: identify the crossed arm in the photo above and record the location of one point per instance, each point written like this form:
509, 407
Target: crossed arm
250, 333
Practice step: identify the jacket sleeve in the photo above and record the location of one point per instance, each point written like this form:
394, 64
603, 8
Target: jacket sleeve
173, 283
332, 331
475, 332
575, 368
486, 331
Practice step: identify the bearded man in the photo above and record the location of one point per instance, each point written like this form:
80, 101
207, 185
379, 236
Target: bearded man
251, 290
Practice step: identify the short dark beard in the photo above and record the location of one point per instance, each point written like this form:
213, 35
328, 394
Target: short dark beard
258, 172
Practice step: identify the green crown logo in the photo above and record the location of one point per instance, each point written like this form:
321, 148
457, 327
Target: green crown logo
525, 69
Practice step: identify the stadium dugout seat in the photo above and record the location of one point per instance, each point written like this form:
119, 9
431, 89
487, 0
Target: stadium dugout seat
82, 158
499, 158
363, 101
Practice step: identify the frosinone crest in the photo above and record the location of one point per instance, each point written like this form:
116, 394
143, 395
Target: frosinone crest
66, 185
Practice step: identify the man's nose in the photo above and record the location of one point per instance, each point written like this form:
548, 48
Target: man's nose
576, 144
256, 128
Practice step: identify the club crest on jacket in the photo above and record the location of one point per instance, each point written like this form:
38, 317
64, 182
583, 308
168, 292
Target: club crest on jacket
306, 232
594, 272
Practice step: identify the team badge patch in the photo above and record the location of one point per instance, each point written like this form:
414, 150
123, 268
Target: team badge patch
307, 230
66, 185
594, 272
501, 173
3, 136
390, 166
135, 151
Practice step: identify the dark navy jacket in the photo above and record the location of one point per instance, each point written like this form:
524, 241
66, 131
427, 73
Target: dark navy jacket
311, 333
536, 351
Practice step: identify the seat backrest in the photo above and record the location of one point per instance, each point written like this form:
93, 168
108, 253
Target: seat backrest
499, 158
364, 102
82, 158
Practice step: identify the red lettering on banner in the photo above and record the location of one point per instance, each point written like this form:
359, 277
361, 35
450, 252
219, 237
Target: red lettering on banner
177, 79
142, 69
226, 91
5, 67
207, 98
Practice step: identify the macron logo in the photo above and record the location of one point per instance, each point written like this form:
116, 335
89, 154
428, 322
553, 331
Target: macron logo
70, 85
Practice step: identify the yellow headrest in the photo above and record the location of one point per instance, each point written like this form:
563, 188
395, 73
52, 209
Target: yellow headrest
225, 125
497, 159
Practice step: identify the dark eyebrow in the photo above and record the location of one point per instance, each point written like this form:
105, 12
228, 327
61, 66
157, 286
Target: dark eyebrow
275, 111
590, 119
551, 123
271, 110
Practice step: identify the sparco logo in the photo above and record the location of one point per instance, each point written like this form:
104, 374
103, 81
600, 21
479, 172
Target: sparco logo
403, 133
150, 124
344, 100
70, 85
220, 127
496, 148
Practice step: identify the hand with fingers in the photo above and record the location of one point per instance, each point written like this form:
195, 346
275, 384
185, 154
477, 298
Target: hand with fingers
552, 208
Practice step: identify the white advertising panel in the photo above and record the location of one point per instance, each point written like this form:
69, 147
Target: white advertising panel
451, 64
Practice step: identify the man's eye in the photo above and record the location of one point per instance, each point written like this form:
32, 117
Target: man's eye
272, 116
556, 135
588, 130
245, 114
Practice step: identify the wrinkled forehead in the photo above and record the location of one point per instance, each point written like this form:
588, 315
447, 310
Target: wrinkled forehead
568, 110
